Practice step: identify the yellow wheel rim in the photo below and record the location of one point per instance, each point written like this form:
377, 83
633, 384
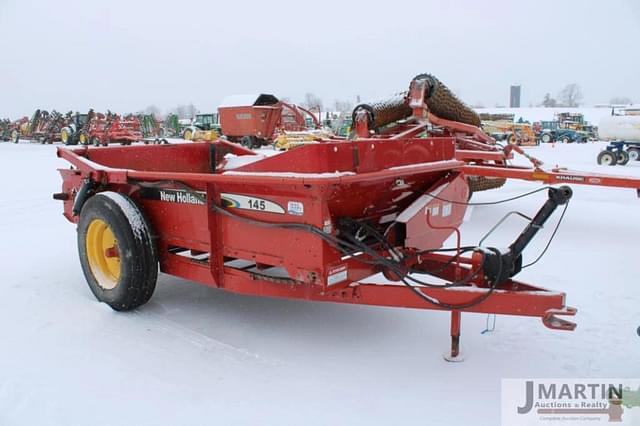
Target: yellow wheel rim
103, 254
83, 138
64, 136
188, 135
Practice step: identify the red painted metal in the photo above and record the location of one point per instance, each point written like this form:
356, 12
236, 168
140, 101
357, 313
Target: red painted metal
553, 176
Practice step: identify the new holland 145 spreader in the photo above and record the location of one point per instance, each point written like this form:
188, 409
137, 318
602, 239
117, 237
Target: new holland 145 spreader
319, 222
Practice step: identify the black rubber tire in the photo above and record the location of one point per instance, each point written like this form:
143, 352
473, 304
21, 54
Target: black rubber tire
565, 139
258, 143
95, 141
138, 255
634, 154
622, 158
15, 136
247, 142
546, 138
607, 158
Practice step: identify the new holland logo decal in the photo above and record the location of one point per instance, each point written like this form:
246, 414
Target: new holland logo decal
178, 196
237, 201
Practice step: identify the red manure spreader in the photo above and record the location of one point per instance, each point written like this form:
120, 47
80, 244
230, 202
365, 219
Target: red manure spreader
359, 221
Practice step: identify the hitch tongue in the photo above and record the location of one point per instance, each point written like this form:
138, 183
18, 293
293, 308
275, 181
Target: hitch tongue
502, 266
550, 320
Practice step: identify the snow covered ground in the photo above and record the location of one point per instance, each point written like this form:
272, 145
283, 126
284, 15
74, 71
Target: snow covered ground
195, 355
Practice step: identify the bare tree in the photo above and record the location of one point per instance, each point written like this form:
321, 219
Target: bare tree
618, 100
571, 95
153, 110
192, 110
548, 101
312, 101
185, 111
342, 105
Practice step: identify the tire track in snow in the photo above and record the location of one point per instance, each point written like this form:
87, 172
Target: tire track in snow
199, 340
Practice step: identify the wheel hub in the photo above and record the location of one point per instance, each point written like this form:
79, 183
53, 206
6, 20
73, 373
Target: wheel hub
103, 254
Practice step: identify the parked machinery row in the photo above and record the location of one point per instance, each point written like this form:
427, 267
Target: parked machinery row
566, 127
90, 128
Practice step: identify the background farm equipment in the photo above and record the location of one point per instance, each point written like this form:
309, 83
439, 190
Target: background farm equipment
288, 140
76, 123
295, 118
205, 127
623, 134
571, 121
43, 127
50, 131
170, 127
620, 153
297, 126
111, 128
149, 126
342, 125
521, 134
152, 130
552, 132
5, 129
497, 117
251, 120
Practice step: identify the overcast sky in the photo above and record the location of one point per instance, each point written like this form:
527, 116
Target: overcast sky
126, 55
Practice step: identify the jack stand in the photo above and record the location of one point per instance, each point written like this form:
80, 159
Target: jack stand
454, 354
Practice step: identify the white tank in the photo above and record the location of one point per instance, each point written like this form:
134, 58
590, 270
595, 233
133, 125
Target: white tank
620, 127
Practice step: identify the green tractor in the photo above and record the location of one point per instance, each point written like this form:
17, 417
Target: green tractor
72, 133
204, 122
